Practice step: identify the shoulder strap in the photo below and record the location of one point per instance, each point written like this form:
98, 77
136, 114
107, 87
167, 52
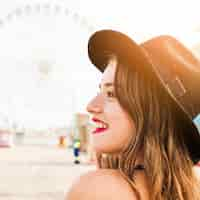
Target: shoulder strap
139, 167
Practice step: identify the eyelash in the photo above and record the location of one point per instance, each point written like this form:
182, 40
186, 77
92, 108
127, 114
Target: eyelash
110, 94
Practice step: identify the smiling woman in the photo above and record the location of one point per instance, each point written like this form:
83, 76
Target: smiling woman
107, 111
145, 140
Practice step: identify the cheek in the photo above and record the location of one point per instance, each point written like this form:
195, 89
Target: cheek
121, 130
124, 128
121, 122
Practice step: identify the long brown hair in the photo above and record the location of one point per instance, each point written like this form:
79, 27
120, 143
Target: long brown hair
159, 130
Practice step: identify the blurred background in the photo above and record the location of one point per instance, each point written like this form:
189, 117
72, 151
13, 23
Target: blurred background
46, 81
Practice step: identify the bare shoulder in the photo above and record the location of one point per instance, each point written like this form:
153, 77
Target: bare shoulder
101, 184
196, 170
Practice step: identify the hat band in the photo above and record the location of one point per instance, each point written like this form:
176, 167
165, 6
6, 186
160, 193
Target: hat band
196, 120
176, 86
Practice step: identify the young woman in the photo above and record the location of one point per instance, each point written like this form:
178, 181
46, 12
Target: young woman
145, 141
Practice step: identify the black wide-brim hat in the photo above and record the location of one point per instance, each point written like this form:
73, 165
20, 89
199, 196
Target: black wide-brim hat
107, 42
179, 69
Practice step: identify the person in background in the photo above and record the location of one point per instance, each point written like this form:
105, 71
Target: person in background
76, 149
145, 139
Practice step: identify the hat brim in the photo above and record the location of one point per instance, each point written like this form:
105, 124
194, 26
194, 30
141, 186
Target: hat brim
105, 42
179, 68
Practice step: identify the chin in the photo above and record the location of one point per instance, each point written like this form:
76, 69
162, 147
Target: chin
106, 149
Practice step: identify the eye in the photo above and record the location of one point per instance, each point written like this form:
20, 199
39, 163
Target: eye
110, 94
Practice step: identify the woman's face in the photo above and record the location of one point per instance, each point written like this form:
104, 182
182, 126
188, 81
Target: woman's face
113, 126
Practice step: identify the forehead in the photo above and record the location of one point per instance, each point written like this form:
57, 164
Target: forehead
109, 73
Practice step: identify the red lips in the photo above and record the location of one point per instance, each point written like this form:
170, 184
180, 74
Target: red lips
96, 120
98, 130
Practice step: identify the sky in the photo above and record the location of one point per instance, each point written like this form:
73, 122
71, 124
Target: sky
45, 74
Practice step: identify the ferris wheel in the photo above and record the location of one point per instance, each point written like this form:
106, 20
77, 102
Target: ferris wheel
40, 42
34, 31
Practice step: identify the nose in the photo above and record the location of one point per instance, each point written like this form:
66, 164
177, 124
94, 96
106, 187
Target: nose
95, 105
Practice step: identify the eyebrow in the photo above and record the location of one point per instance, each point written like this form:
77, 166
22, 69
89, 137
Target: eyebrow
107, 85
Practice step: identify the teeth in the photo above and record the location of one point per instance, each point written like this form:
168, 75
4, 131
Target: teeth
100, 125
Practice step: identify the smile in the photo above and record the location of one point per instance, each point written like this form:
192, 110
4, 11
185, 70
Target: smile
100, 126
